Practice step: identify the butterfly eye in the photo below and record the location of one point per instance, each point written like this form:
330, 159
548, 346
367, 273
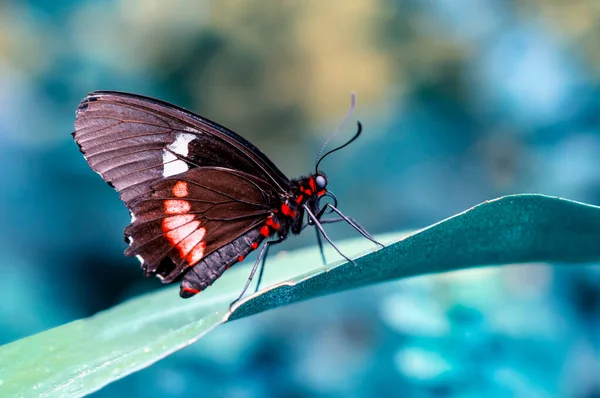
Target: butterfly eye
321, 182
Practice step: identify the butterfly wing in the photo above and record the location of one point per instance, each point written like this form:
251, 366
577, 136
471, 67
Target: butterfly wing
190, 185
132, 141
189, 216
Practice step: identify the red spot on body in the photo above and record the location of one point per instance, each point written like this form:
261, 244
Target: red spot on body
180, 189
287, 210
264, 231
254, 246
240, 259
321, 193
313, 185
190, 290
272, 224
177, 206
299, 199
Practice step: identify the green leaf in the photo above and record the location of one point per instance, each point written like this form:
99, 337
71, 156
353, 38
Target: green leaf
82, 356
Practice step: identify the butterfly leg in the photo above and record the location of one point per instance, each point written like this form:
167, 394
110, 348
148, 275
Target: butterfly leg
340, 219
262, 255
359, 227
262, 267
264, 259
320, 243
347, 219
334, 220
319, 240
317, 224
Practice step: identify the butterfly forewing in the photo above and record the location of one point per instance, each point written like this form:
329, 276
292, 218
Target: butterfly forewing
132, 141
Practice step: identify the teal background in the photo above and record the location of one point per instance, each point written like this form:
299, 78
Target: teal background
462, 101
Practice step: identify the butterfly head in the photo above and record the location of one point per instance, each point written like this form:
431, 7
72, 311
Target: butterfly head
317, 190
311, 188
320, 182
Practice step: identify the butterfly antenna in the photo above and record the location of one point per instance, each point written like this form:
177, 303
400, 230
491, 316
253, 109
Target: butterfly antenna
350, 111
356, 135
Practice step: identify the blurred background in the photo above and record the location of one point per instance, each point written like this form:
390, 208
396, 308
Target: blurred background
461, 100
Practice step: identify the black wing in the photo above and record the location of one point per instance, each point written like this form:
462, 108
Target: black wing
189, 216
132, 141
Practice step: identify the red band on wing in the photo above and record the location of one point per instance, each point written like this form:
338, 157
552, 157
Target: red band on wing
177, 206
188, 239
190, 242
196, 253
182, 230
177, 235
180, 189
173, 222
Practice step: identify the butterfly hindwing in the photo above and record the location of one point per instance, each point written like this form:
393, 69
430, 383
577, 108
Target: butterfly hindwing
188, 216
213, 265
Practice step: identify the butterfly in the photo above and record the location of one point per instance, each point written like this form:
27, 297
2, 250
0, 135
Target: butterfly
201, 197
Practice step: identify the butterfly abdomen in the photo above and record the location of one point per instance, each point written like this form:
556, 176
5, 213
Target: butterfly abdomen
212, 266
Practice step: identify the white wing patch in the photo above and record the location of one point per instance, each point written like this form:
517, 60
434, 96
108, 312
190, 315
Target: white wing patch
173, 165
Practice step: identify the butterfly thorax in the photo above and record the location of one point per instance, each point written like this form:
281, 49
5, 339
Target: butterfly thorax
303, 191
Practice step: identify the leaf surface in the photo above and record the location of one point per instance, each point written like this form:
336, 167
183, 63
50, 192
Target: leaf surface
80, 357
